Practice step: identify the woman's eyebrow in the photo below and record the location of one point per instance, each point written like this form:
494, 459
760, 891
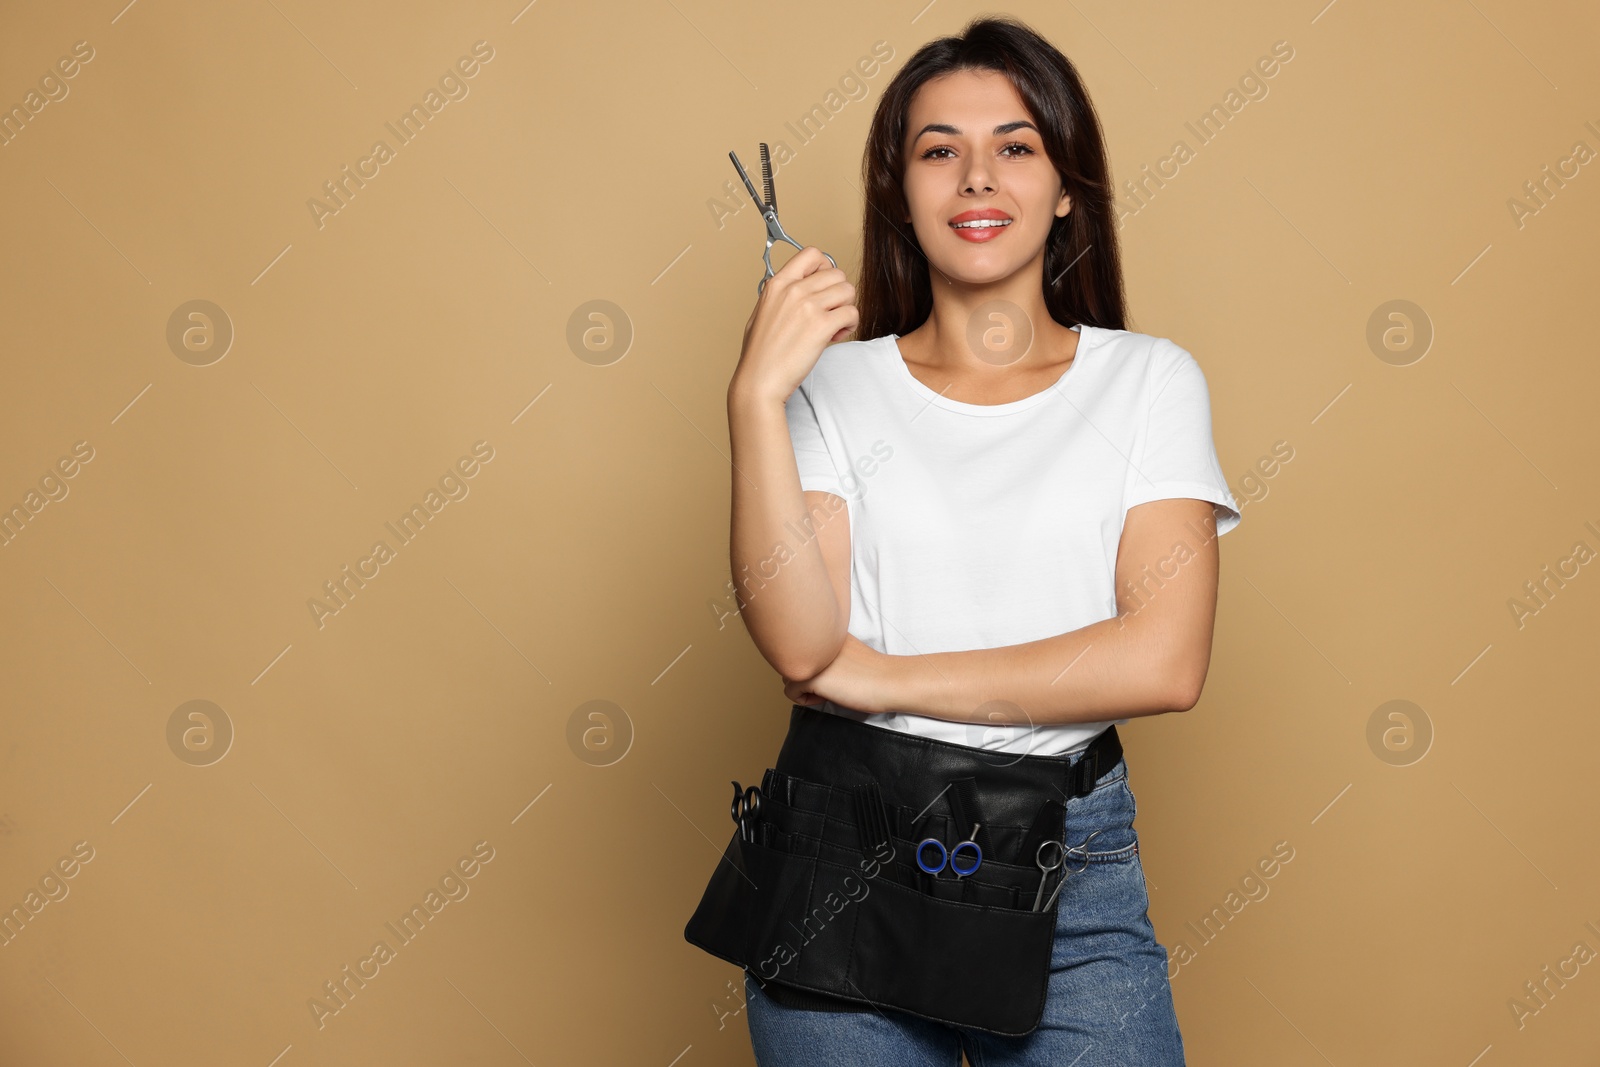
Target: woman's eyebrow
999, 131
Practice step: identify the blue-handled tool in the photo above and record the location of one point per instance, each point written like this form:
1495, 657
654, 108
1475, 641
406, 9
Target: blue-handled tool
953, 858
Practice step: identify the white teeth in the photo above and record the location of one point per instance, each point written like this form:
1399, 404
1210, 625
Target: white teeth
981, 224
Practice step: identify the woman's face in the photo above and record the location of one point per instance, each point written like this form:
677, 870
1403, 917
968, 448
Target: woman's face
973, 153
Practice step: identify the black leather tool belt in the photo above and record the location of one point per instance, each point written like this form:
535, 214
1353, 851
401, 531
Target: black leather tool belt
820, 892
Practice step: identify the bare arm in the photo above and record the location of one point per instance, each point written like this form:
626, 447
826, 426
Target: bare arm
782, 542
792, 606
1151, 658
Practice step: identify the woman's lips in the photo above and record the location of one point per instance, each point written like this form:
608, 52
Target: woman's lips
979, 234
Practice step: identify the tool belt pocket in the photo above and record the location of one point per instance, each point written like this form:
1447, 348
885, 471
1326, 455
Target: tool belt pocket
819, 889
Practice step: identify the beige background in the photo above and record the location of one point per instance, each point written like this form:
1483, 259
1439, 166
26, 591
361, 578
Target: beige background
588, 560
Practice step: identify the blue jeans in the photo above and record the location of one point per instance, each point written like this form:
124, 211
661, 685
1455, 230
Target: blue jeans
1109, 999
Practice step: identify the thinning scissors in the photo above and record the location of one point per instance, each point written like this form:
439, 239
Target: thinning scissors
1060, 856
769, 210
746, 809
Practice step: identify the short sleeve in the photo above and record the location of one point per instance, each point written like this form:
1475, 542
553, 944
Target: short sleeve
811, 454
1179, 457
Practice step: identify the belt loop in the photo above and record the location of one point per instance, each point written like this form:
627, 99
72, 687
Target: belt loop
1086, 769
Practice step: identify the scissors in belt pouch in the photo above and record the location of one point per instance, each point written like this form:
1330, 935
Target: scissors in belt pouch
1060, 857
769, 210
746, 809
953, 858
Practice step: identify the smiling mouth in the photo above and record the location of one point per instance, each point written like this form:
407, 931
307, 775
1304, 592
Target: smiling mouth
981, 224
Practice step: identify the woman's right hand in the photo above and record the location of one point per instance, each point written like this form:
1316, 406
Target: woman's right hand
806, 306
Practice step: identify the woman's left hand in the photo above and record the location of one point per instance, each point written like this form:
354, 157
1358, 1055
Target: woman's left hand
856, 679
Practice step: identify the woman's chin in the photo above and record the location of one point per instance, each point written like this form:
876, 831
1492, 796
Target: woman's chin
976, 272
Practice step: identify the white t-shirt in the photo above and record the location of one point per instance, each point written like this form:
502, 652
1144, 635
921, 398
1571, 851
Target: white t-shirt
977, 526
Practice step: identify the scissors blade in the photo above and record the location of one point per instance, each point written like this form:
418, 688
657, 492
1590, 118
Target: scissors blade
748, 184
766, 178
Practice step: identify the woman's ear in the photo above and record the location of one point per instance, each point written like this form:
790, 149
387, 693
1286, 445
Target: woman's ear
1064, 207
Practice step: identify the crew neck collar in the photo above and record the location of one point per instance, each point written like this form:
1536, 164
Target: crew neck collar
1086, 340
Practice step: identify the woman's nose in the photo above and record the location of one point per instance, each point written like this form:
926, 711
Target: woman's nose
979, 179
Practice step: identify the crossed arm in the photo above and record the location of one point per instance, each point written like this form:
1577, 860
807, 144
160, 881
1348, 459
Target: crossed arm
1149, 659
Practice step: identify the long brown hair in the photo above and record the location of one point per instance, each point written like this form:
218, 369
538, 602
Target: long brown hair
1082, 267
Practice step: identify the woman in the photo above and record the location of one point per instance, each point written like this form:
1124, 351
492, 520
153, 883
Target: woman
1015, 503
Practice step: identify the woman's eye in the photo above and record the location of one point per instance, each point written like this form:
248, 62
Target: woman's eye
1007, 150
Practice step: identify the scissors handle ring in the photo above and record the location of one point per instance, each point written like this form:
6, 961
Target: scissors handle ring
1084, 848
1045, 869
767, 257
952, 857
775, 233
1067, 872
746, 806
944, 856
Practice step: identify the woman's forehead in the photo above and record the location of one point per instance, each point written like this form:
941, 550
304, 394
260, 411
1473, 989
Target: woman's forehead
973, 102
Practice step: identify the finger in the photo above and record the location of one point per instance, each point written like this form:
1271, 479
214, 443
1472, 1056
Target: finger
838, 294
804, 263
843, 319
821, 280
829, 288
808, 261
